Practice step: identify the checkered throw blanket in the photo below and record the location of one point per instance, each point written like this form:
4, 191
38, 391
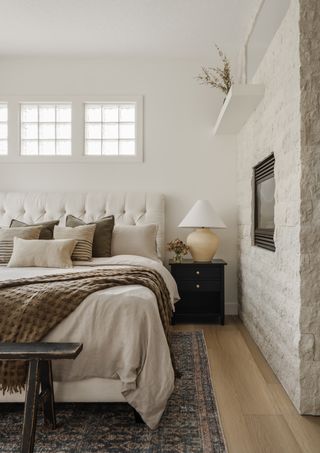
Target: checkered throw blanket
31, 307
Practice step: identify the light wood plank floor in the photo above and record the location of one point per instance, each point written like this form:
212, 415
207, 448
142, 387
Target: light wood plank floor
257, 415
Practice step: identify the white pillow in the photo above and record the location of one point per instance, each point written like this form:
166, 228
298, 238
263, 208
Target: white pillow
44, 253
135, 240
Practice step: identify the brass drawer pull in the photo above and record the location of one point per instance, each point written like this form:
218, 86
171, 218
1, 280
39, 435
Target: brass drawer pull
198, 272
197, 286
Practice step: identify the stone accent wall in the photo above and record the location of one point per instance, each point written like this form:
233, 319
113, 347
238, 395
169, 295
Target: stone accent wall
280, 292
310, 206
269, 282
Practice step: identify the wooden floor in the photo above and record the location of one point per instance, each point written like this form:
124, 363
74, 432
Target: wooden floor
256, 413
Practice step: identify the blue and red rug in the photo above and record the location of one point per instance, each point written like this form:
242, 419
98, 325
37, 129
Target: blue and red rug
189, 425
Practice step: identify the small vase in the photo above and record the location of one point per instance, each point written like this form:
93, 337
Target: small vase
177, 258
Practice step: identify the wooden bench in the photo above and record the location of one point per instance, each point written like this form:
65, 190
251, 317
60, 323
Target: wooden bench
39, 356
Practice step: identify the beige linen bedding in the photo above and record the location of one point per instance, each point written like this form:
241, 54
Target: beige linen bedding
123, 339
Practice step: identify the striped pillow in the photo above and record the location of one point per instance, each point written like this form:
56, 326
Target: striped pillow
8, 234
84, 236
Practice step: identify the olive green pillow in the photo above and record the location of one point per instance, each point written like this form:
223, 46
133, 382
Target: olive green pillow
46, 230
102, 235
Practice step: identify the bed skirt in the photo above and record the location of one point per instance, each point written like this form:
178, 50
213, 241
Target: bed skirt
93, 390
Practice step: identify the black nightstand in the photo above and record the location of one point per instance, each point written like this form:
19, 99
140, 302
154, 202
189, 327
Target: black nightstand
201, 288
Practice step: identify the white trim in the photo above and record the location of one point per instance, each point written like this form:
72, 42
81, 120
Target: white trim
77, 129
5, 123
231, 308
252, 27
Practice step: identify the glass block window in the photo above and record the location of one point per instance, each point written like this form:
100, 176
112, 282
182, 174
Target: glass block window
3, 129
45, 129
110, 129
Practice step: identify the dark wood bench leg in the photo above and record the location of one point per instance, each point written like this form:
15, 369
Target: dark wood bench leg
47, 394
30, 407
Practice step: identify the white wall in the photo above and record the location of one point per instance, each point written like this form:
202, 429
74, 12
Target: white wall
182, 158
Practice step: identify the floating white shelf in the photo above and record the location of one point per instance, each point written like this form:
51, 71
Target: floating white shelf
240, 102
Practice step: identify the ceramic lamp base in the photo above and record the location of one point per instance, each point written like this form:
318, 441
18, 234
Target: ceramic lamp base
203, 244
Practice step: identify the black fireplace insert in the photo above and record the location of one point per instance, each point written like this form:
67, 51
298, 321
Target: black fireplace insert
264, 188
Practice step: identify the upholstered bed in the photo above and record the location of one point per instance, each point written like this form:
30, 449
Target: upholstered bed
124, 319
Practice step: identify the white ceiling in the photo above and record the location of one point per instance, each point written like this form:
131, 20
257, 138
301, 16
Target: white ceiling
124, 28
144, 28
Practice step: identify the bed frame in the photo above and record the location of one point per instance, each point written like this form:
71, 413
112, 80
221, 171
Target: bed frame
129, 208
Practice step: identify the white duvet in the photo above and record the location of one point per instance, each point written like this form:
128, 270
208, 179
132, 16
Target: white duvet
122, 336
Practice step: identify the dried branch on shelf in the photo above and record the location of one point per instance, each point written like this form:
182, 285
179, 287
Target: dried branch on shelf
217, 77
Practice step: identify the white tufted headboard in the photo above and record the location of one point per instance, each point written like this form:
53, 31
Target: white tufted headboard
130, 208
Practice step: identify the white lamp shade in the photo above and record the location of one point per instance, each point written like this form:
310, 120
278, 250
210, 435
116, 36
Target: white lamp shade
202, 215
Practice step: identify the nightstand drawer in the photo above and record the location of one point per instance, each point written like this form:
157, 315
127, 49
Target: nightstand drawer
201, 288
199, 285
198, 272
198, 305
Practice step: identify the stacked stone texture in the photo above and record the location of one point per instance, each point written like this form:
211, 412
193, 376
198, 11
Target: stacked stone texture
310, 206
269, 283
280, 292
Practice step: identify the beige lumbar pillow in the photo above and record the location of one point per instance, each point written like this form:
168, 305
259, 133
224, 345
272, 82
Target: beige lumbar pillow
44, 253
135, 240
7, 236
83, 235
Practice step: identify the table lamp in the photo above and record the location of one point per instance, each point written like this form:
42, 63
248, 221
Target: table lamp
202, 242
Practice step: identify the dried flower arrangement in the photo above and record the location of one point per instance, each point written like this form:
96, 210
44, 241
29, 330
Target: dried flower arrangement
217, 77
179, 248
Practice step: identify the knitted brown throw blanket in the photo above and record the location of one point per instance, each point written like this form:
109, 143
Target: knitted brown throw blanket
31, 307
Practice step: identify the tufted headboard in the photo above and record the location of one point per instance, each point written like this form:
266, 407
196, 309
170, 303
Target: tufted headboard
130, 208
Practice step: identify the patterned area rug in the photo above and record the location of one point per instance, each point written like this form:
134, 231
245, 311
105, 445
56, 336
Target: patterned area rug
190, 423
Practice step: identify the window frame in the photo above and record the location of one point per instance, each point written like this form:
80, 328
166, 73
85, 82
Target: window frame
263, 237
7, 124
118, 123
38, 123
77, 128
